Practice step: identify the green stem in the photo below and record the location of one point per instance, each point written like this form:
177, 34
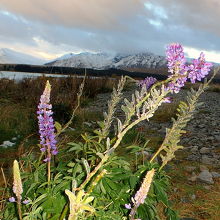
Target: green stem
48, 170
63, 215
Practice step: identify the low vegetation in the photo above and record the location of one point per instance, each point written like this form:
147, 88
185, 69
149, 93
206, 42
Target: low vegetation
103, 169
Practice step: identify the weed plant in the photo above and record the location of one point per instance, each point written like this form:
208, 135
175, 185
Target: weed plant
94, 182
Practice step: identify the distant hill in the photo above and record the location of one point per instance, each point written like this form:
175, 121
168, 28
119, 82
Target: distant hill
8, 56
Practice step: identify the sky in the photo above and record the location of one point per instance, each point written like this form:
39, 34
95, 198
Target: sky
50, 28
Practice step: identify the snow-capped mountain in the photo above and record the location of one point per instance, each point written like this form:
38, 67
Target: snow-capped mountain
8, 56
105, 60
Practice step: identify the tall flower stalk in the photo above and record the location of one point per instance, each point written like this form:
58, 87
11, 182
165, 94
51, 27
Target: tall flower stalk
141, 194
46, 127
17, 187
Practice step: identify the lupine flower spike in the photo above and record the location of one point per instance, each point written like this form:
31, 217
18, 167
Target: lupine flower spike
199, 69
141, 194
176, 66
46, 124
17, 184
17, 187
148, 82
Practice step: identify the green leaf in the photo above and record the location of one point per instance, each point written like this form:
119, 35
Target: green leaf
86, 165
112, 185
133, 181
40, 199
58, 126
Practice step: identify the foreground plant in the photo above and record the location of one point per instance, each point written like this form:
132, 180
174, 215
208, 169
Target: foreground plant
100, 184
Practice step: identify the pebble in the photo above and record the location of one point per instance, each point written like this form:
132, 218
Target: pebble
215, 174
206, 177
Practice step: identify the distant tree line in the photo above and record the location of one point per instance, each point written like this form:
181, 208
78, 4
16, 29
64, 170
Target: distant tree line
80, 71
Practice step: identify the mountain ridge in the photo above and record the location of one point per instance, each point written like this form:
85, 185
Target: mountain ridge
108, 60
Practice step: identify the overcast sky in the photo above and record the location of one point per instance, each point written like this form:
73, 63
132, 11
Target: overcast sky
51, 28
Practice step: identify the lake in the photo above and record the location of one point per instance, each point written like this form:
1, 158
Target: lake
21, 75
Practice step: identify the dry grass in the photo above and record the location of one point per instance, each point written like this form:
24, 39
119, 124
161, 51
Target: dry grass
64, 90
165, 112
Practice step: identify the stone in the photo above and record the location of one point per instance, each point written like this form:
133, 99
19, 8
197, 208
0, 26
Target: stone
207, 187
193, 196
189, 168
194, 148
217, 137
193, 177
204, 150
215, 174
207, 160
206, 177
203, 167
193, 157
7, 144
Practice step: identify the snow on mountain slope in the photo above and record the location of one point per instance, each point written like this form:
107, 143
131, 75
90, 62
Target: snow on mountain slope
105, 61
85, 60
8, 56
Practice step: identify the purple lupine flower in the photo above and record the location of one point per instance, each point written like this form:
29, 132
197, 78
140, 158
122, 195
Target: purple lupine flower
176, 59
46, 124
128, 206
148, 82
12, 199
199, 69
167, 100
26, 201
176, 66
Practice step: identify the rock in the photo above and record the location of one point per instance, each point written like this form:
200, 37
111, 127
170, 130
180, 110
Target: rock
207, 187
203, 167
206, 177
194, 149
217, 137
215, 174
193, 196
193, 177
193, 157
185, 200
207, 160
190, 168
204, 150
7, 144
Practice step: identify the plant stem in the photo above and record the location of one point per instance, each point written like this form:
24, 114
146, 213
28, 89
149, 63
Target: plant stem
133, 212
104, 159
64, 211
19, 210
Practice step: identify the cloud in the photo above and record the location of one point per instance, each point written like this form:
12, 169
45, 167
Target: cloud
50, 28
196, 14
94, 14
